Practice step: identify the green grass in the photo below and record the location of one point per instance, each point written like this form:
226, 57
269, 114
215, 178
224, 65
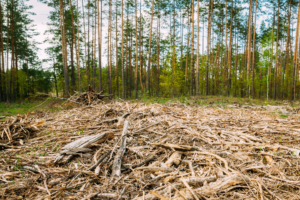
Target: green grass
11, 109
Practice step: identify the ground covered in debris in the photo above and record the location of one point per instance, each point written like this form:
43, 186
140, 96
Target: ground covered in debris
125, 150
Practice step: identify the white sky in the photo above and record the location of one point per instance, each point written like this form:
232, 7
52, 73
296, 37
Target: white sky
42, 12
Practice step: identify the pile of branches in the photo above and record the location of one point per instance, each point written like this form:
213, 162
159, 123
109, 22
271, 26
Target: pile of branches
18, 129
135, 151
89, 98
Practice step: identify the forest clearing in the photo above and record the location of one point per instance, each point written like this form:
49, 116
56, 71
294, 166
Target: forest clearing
133, 150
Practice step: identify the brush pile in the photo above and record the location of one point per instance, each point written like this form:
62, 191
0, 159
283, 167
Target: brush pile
89, 98
17, 129
123, 150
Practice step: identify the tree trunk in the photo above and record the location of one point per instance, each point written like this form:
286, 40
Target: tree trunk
77, 52
157, 52
187, 54
253, 56
64, 47
225, 74
109, 49
296, 55
249, 45
88, 43
211, 4
192, 51
141, 50
94, 47
117, 64
85, 54
130, 66
100, 47
230, 52
122, 58
72, 65
2, 80
276, 57
136, 54
149, 53
286, 68
198, 37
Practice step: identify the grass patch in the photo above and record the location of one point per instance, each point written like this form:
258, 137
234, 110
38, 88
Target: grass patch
10, 109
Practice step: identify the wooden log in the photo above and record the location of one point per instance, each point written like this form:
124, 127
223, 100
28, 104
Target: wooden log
85, 142
116, 170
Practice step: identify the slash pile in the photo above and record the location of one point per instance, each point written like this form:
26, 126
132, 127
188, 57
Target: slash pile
124, 150
88, 98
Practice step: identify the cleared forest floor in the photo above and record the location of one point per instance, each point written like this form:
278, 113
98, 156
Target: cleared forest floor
136, 150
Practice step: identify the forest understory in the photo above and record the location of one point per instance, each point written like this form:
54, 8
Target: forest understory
136, 150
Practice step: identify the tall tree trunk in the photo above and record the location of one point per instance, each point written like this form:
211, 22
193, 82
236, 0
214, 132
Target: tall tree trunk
88, 44
230, 52
149, 53
286, 68
225, 74
249, 45
136, 53
100, 47
117, 55
271, 61
130, 66
157, 52
198, 37
187, 53
3, 85
172, 36
192, 51
141, 50
77, 52
276, 57
296, 55
7, 76
85, 53
94, 46
211, 7
109, 30
64, 47
236, 53
253, 56
122, 58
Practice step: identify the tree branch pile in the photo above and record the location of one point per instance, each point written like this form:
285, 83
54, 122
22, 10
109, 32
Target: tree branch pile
88, 98
124, 150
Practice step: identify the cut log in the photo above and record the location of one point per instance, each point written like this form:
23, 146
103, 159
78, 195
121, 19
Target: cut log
85, 142
116, 170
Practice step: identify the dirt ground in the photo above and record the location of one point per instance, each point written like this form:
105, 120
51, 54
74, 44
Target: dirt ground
133, 150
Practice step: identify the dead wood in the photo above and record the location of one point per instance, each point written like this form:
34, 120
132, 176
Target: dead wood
174, 152
116, 169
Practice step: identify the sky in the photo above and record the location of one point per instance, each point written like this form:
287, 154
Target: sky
42, 12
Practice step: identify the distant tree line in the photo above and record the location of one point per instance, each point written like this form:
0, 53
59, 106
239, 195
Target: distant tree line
169, 48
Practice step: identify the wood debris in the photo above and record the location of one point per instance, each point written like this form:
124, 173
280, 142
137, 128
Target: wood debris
124, 150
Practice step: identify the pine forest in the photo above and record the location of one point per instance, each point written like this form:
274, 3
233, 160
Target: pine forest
170, 48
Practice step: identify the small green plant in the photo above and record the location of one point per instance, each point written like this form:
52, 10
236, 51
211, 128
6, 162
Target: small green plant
284, 116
